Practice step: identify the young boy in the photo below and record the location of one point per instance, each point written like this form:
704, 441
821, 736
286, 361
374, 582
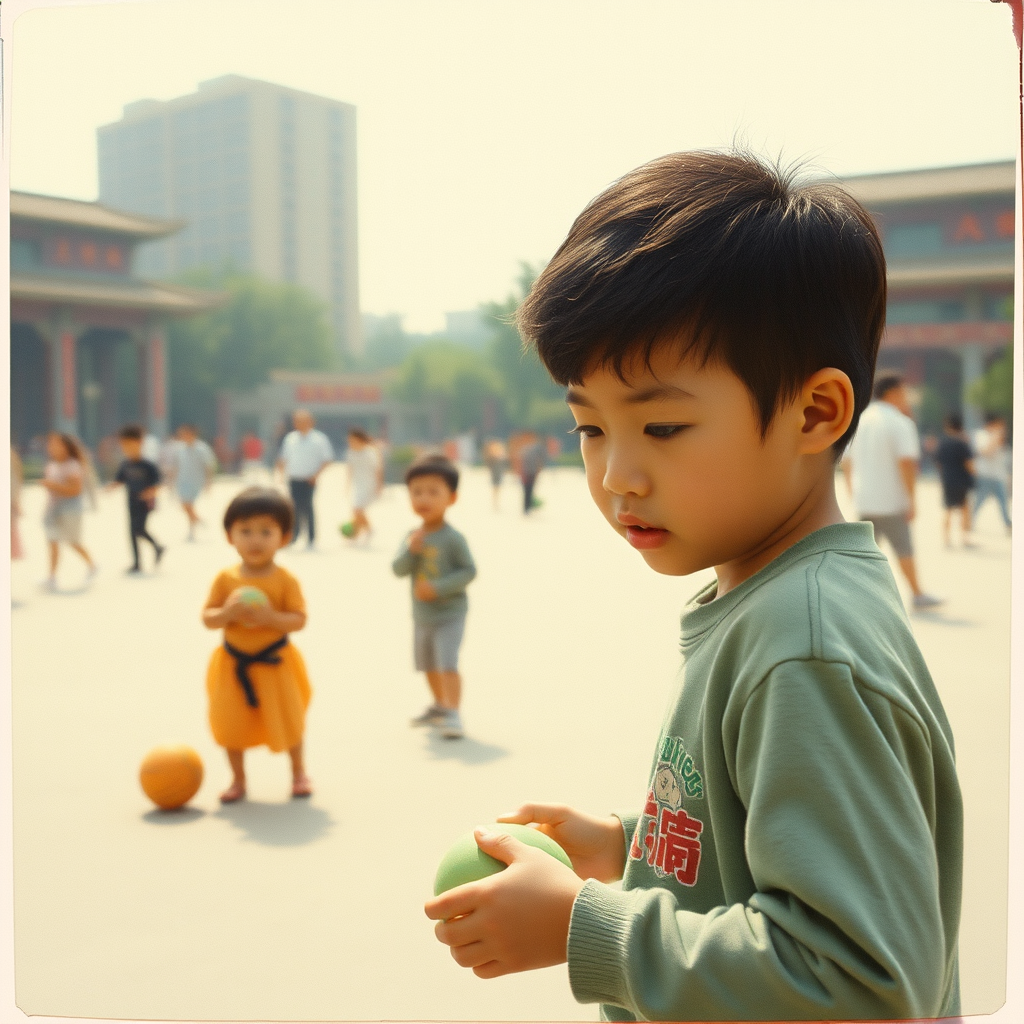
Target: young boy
437, 558
955, 462
798, 852
140, 477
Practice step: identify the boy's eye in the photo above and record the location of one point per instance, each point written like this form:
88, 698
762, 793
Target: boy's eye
586, 430
663, 430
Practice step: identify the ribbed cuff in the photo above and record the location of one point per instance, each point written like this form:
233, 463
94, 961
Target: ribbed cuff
629, 823
598, 943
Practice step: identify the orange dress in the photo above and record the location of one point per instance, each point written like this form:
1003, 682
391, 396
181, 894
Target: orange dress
282, 690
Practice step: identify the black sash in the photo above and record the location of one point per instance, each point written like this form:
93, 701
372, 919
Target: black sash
242, 662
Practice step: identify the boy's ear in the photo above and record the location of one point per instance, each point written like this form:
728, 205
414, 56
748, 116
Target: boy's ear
826, 403
455, 498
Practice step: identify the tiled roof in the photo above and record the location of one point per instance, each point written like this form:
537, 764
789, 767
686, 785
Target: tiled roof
135, 294
933, 183
77, 213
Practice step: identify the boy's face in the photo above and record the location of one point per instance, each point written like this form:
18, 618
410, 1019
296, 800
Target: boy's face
131, 446
430, 497
186, 435
675, 461
257, 540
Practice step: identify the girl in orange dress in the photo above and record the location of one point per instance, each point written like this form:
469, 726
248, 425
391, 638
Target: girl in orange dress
257, 682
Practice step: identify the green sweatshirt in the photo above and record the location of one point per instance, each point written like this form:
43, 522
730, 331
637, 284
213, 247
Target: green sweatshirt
799, 852
446, 562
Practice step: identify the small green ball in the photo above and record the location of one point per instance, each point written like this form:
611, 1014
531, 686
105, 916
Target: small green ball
252, 596
466, 862
347, 529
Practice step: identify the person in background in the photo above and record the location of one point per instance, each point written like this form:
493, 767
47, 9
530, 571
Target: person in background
252, 457
531, 458
955, 462
365, 477
190, 466
305, 454
496, 459
880, 468
992, 466
65, 479
140, 477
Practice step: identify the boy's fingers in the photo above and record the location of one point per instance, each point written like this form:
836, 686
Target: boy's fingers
453, 903
540, 814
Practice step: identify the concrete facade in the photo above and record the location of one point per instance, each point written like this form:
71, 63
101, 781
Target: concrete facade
264, 176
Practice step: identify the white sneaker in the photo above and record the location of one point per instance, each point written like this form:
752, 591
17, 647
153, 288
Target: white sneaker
431, 715
49, 585
924, 601
451, 726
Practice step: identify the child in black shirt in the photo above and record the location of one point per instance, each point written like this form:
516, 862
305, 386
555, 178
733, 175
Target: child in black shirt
140, 477
955, 462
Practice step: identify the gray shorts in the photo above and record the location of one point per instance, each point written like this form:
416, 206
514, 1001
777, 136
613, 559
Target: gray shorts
896, 531
435, 646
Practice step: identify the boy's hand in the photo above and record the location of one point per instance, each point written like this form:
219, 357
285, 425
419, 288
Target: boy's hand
415, 542
516, 920
256, 615
423, 590
595, 846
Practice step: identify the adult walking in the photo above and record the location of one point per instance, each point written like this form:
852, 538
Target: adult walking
305, 453
992, 466
190, 465
531, 458
880, 468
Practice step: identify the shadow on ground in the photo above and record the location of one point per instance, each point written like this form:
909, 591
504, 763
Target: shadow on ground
467, 750
294, 823
179, 816
940, 619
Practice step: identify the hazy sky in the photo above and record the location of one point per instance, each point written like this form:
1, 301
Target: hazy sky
484, 126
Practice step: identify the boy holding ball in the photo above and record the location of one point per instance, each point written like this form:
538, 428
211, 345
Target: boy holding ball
438, 559
798, 851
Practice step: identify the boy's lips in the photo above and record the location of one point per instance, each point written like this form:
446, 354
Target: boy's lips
641, 535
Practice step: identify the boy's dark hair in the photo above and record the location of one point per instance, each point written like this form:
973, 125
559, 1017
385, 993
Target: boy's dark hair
727, 257
888, 381
357, 432
993, 417
954, 421
131, 432
260, 501
434, 465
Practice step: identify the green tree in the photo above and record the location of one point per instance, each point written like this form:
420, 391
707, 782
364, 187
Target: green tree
263, 326
453, 382
993, 391
530, 397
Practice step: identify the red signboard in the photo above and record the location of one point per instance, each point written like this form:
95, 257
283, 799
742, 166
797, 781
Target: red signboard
331, 394
966, 332
68, 377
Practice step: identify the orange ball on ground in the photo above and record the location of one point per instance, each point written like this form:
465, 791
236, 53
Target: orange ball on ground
171, 776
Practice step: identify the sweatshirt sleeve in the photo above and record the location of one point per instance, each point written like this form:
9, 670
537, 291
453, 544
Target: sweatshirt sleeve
845, 921
405, 561
455, 581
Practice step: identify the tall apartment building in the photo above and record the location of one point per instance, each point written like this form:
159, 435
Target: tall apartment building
264, 178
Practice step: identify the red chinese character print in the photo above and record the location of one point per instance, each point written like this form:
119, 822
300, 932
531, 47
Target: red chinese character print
678, 848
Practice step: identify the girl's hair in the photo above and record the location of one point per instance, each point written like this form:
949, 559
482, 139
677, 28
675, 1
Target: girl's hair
72, 446
260, 501
361, 434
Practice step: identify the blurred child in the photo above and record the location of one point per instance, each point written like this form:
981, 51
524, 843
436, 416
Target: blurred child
190, 464
366, 478
65, 478
955, 462
797, 850
140, 477
257, 683
437, 558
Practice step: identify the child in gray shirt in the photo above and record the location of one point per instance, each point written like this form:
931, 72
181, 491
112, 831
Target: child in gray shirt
438, 559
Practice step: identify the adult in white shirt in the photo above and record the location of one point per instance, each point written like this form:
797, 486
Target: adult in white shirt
880, 467
305, 453
992, 465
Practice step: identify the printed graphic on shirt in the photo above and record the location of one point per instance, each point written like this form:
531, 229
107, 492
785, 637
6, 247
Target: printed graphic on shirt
429, 569
666, 836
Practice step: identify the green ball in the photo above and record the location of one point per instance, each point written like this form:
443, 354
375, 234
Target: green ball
347, 529
252, 596
466, 862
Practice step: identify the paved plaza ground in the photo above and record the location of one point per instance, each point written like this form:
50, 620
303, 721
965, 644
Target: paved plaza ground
275, 909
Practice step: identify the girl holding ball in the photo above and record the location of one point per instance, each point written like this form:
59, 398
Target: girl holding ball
256, 682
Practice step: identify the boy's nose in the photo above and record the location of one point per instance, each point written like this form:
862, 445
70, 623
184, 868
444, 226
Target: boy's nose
624, 475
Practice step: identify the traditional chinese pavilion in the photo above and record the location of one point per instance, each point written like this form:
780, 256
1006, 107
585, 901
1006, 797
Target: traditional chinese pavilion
88, 339
948, 234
